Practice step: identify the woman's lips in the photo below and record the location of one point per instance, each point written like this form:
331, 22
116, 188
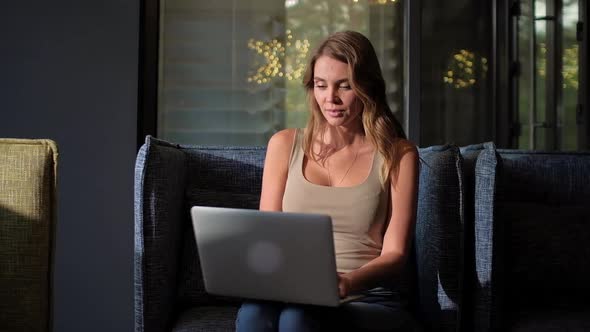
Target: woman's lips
335, 113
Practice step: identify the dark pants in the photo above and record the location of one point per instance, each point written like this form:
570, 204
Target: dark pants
377, 311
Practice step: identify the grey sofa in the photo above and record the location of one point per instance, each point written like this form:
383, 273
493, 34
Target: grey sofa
530, 242
465, 265
170, 178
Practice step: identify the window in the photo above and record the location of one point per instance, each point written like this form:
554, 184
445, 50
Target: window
230, 71
456, 72
463, 72
547, 57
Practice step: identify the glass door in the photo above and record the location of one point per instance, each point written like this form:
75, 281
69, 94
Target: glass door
547, 59
456, 72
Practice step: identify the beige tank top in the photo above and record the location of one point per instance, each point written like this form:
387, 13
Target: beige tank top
358, 213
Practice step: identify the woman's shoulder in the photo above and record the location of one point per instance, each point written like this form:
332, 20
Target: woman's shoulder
405, 153
279, 148
282, 139
404, 146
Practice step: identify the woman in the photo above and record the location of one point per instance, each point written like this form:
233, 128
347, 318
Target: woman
352, 161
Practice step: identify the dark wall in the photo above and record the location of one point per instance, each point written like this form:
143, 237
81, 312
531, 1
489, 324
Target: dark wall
68, 71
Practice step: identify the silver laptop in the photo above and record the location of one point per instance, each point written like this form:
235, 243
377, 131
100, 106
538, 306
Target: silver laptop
277, 256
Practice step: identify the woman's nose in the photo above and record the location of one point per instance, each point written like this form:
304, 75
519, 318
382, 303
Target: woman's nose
332, 94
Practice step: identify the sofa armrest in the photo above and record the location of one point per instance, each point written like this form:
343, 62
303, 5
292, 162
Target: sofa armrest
160, 177
485, 241
481, 266
439, 238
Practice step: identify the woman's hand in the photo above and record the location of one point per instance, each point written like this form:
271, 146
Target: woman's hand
344, 285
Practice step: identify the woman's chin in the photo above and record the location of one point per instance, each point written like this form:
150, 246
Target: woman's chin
335, 120
335, 123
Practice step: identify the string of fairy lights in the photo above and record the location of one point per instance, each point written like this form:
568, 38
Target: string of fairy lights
570, 65
273, 52
463, 71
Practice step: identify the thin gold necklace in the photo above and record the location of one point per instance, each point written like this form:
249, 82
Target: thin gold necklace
348, 170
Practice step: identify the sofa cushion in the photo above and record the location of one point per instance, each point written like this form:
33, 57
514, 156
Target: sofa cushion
207, 318
574, 319
27, 227
438, 238
543, 202
217, 176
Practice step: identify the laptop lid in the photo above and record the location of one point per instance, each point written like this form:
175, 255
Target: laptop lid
278, 256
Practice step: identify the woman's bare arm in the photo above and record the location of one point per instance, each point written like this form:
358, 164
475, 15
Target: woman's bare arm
276, 166
399, 232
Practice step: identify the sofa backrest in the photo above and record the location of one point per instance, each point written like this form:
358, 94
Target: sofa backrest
543, 204
216, 176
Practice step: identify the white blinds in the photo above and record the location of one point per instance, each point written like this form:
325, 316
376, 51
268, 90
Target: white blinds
208, 54
204, 93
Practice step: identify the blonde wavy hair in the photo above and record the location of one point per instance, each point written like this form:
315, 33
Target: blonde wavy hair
365, 77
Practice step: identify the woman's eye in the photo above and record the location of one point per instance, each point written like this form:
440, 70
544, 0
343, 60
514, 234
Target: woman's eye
320, 86
345, 87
